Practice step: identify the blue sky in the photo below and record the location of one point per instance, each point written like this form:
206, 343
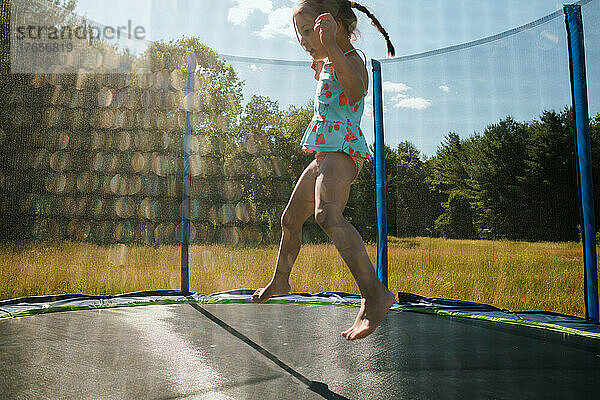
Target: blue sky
462, 91
261, 28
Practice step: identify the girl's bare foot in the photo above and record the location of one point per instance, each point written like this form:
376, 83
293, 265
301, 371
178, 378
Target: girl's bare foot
274, 287
371, 313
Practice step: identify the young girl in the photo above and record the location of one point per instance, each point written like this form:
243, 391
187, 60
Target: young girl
324, 29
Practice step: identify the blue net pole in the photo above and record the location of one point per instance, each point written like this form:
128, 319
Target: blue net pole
380, 187
581, 127
187, 138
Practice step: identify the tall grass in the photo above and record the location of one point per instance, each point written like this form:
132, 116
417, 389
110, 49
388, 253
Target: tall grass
512, 275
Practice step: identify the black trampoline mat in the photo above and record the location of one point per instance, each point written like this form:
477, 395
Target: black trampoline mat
175, 352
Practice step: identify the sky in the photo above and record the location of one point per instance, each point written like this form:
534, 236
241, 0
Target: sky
262, 28
462, 91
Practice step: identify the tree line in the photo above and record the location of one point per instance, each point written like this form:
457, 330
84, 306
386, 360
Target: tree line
515, 180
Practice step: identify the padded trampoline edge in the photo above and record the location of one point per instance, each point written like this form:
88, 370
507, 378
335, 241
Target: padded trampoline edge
54, 309
531, 324
300, 300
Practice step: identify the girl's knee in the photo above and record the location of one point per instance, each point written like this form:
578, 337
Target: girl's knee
286, 219
290, 220
327, 216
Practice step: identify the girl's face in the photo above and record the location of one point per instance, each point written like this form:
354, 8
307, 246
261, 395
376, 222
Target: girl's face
309, 39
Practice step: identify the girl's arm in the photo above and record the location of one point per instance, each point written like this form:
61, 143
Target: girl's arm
347, 72
350, 70
317, 66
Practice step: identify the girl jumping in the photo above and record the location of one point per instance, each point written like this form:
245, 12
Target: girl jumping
324, 29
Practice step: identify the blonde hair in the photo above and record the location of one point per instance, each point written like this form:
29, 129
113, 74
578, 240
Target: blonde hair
342, 11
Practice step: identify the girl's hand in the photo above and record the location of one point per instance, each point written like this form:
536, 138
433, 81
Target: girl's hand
327, 27
317, 66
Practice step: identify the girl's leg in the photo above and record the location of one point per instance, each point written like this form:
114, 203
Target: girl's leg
332, 188
300, 206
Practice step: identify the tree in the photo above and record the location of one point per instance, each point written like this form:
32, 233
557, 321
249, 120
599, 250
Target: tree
497, 168
551, 180
360, 210
449, 175
260, 127
457, 220
415, 203
15, 225
595, 144
287, 145
449, 166
50, 12
217, 100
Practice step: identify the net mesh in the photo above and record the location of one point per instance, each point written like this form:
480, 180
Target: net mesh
489, 124
481, 151
479, 148
93, 155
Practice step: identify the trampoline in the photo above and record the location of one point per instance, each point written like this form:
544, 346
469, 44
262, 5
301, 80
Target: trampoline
146, 154
164, 348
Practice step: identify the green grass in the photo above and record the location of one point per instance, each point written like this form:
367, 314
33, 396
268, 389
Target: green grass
512, 275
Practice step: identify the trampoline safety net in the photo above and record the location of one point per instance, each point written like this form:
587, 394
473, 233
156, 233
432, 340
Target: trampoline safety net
481, 180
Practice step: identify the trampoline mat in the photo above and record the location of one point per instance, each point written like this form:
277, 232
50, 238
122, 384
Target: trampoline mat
175, 352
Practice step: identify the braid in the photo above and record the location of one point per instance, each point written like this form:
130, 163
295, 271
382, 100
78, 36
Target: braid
377, 24
342, 11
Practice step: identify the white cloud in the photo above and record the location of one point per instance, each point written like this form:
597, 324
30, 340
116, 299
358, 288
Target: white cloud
368, 110
395, 87
239, 13
279, 20
415, 103
445, 88
399, 99
279, 23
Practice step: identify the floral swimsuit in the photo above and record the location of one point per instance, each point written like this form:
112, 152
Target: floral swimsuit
335, 126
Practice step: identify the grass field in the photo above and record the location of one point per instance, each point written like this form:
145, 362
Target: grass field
512, 275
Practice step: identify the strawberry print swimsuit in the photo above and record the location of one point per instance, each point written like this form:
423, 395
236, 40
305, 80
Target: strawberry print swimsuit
335, 126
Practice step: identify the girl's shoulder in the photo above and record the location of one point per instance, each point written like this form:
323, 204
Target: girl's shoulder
357, 54
360, 64
352, 55
357, 61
